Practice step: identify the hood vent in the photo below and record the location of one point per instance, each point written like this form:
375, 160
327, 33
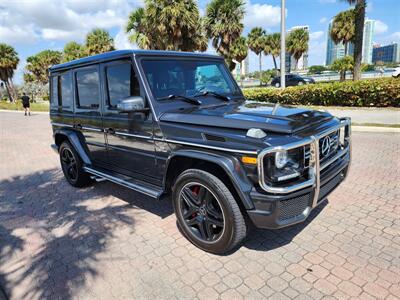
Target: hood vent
211, 137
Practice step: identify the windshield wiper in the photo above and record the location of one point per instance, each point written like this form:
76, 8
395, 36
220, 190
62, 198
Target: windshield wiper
181, 97
216, 95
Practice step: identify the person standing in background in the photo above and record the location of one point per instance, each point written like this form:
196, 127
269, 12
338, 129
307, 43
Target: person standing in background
26, 104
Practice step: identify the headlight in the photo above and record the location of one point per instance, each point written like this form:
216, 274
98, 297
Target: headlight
281, 159
284, 165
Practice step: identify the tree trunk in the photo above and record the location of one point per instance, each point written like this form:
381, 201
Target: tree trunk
273, 57
358, 38
259, 75
343, 74
10, 90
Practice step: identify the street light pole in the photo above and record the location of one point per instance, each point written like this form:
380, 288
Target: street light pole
283, 44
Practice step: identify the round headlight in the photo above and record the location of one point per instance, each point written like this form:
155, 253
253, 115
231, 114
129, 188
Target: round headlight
281, 159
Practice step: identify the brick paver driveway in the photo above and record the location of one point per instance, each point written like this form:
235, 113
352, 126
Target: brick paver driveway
107, 242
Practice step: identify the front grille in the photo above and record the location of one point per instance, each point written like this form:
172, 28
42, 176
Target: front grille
293, 207
328, 145
329, 186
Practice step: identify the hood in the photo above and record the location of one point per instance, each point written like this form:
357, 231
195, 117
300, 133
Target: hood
246, 115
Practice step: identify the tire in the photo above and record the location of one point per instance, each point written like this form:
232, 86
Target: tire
71, 165
201, 224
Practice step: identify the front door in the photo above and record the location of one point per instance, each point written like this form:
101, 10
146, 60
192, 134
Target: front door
129, 136
88, 118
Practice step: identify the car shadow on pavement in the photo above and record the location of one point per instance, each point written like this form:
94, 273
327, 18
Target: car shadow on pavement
51, 234
266, 240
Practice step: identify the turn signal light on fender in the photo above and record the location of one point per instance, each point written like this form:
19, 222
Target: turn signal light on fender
249, 160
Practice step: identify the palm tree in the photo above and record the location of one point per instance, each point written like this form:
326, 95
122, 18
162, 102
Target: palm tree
297, 43
342, 30
8, 64
342, 65
72, 50
38, 65
358, 36
98, 41
256, 41
239, 52
167, 25
224, 24
273, 46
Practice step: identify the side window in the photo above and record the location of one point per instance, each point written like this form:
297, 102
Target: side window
54, 101
121, 83
66, 90
87, 84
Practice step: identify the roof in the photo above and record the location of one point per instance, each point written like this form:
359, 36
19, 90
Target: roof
125, 53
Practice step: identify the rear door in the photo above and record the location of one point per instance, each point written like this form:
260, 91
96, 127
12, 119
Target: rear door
88, 117
129, 136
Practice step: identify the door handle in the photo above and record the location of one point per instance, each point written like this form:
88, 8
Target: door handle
111, 130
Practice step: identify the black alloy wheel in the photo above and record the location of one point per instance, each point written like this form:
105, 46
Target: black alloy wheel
69, 164
201, 211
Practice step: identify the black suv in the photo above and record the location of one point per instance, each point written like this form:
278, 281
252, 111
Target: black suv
176, 125
292, 80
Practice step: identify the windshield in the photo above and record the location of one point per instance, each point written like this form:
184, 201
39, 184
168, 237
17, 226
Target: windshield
188, 77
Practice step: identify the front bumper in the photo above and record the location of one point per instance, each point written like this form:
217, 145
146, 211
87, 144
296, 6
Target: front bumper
284, 207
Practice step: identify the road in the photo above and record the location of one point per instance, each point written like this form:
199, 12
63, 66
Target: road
107, 242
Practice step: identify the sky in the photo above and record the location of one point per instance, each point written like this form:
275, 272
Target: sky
31, 26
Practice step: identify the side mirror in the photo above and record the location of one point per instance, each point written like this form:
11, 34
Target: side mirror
131, 104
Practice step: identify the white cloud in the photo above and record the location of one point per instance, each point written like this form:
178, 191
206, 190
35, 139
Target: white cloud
122, 42
15, 35
387, 39
380, 27
316, 35
261, 15
323, 20
64, 20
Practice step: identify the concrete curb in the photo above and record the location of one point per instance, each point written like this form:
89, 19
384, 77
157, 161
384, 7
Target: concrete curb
21, 111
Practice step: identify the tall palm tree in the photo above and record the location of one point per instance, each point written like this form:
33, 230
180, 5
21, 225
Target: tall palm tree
342, 65
358, 36
72, 50
8, 64
239, 52
273, 46
38, 65
98, 41
167, 25
297, 43
256, 41
342, 30
224, 24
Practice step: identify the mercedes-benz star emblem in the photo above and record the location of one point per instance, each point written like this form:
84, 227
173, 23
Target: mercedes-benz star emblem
326, 146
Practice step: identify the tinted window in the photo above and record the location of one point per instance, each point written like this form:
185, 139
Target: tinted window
188, 78
121, 83
87, 83
54, 91
66, 90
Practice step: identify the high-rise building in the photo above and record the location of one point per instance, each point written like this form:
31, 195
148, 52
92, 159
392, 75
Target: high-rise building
336, 51
303, 60
369, 28
389, 53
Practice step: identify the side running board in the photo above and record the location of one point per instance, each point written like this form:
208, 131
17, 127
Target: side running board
152, 192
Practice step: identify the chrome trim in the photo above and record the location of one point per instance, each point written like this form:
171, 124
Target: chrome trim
133, 135
62, 124
314, 169
119, 181
92, 129
211, 147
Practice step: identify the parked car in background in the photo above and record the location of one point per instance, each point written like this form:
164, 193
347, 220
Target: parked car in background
396, 72
292, 80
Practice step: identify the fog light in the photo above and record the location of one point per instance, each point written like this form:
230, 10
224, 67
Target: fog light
281, 159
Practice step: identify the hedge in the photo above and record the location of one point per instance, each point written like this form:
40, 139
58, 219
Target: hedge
381, 92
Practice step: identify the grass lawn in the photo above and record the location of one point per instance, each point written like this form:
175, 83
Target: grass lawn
41, 106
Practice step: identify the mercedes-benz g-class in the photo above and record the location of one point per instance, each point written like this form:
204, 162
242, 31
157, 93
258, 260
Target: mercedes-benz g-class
176, 125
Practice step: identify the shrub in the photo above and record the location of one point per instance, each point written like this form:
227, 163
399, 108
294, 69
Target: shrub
380, 92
